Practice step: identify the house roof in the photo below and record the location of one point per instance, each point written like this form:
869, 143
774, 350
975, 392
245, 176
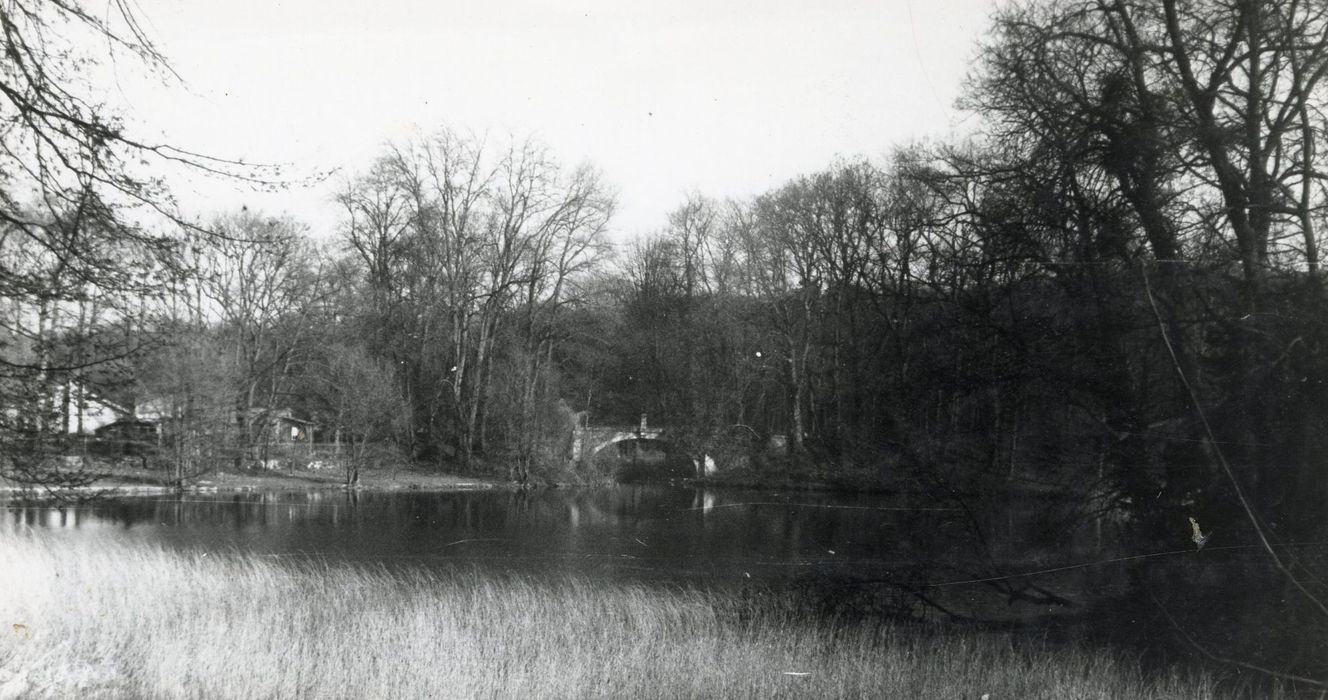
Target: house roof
89, 395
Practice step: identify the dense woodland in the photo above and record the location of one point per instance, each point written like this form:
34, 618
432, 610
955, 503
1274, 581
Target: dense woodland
1113, 282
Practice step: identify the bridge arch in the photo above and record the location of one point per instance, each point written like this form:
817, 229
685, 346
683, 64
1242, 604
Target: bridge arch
624, 436
588, 442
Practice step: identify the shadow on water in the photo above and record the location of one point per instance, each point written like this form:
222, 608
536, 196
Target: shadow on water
1022, 564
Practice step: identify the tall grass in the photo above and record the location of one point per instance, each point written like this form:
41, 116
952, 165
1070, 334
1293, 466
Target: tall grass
99, 619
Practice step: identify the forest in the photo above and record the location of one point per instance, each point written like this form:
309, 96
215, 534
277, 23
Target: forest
1112, 285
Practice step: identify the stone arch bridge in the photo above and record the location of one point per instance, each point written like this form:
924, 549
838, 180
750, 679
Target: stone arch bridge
588, 441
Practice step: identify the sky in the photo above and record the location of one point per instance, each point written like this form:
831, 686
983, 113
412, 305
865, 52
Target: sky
729, 98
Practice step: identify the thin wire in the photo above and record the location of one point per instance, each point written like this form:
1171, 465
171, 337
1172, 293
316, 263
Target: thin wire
922, 65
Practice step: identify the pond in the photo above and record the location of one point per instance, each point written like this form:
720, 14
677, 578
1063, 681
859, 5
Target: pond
1024, 563
644, 532
636, 531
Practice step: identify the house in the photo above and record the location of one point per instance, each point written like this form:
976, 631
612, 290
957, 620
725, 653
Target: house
82, 411
283, 424
279, 425
70, 408
132, 430
155, 410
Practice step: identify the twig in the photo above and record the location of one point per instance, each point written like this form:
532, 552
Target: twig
1221, 457
1224, 660
1103, 562
477, 539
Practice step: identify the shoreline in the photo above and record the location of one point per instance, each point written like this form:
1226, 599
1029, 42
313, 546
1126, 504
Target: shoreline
121, 481
135, 484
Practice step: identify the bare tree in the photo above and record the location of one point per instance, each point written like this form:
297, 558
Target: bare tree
264, 285
360, 399
478, 241
83, 213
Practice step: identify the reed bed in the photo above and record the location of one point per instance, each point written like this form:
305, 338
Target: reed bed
92, 618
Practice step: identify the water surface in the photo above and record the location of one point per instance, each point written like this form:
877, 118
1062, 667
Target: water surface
1017, 559
634, 531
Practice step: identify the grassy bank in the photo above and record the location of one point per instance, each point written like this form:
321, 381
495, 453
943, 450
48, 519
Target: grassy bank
89, 618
